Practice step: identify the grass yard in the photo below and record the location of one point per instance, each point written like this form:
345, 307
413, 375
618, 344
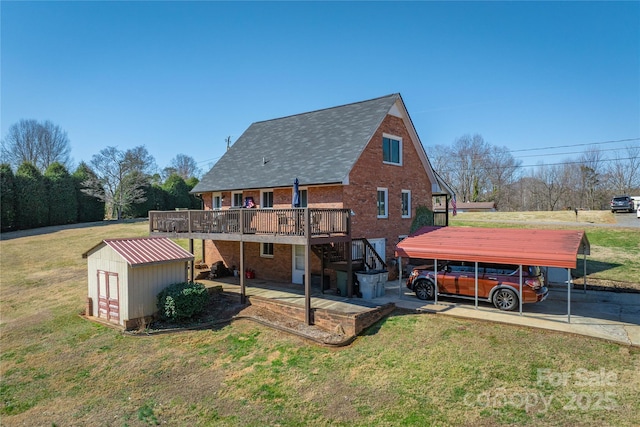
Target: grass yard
409, 369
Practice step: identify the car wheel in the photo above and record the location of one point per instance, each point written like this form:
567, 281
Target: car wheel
505, 299
424, 290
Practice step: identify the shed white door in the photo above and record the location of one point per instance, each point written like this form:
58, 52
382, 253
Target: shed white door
108, 296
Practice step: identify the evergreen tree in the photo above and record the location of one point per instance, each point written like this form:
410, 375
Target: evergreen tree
155, 202
7, 198
63, 203
177, 192
31, 198
90, 208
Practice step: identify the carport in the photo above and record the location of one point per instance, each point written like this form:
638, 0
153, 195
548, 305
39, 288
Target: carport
544, 248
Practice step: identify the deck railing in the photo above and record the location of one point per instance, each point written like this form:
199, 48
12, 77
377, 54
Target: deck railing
285, 222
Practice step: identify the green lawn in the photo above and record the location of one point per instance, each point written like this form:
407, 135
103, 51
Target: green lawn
409, 369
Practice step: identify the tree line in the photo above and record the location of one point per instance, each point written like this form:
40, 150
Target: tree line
116, 184
481, 172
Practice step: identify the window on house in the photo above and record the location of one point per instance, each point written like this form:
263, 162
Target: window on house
266, 250
382, 203
216, 202
406, 204
303, 198
392, 149
267, 199
236, 200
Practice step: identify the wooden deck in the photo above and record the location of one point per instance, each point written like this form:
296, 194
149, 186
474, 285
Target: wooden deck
293, 226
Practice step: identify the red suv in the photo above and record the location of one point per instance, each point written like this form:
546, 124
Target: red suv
497, 283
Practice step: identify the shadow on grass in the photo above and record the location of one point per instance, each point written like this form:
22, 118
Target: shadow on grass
9, 235
593, 267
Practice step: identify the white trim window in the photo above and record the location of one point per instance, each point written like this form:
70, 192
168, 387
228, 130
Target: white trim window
406, 204
236, 200
266, 250
383, 203
391, 149
266, 199
216, 202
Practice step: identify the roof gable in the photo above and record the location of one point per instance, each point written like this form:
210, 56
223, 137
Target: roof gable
145, 250
318, 147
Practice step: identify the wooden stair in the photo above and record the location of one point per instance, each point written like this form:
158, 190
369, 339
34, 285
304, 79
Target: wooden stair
363, 256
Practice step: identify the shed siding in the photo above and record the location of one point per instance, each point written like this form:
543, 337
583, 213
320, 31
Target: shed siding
145, 283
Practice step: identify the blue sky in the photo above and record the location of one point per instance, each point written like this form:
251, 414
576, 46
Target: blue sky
179, 78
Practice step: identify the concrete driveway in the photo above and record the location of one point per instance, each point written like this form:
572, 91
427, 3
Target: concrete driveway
607, 315
625, 219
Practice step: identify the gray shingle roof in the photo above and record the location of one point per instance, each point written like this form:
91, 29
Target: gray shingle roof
319, 147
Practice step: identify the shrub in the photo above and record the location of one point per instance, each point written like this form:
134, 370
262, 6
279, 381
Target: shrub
424, 216
182, 301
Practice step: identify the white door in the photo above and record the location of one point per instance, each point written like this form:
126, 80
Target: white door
379, 245
298, 264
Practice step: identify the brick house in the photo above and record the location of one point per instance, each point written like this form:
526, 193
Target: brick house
362, 172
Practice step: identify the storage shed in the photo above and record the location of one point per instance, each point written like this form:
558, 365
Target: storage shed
126, 275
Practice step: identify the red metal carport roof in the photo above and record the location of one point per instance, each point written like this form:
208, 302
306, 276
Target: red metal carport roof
549, 248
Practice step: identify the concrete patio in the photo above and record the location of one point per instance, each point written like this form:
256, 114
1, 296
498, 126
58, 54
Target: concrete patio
612, 316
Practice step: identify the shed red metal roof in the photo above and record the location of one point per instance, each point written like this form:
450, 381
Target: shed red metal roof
145, 250
549, 248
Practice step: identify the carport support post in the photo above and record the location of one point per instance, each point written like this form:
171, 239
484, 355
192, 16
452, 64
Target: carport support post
476, 285
520, 298
568, 295
584, 275
400, 276
435, 280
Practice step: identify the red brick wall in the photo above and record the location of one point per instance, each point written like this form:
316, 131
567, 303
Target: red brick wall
368, 174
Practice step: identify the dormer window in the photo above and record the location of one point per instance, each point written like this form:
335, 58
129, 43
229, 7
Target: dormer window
391, 149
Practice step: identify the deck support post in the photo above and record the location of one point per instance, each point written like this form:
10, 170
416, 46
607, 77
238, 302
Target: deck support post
307, 269
191, 263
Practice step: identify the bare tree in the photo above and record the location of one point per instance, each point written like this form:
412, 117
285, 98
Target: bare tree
184, 166
40, 144
120, 177
624, 171
502, 171
464, 165
550, 186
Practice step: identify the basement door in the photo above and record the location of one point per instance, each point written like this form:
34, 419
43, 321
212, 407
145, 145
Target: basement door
380, 246
297, 270
108, 296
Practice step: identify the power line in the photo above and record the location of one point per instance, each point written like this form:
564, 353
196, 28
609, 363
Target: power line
542, 165
574, 152
575, 145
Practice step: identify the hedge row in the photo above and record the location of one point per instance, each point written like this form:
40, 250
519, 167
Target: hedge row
30, 199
